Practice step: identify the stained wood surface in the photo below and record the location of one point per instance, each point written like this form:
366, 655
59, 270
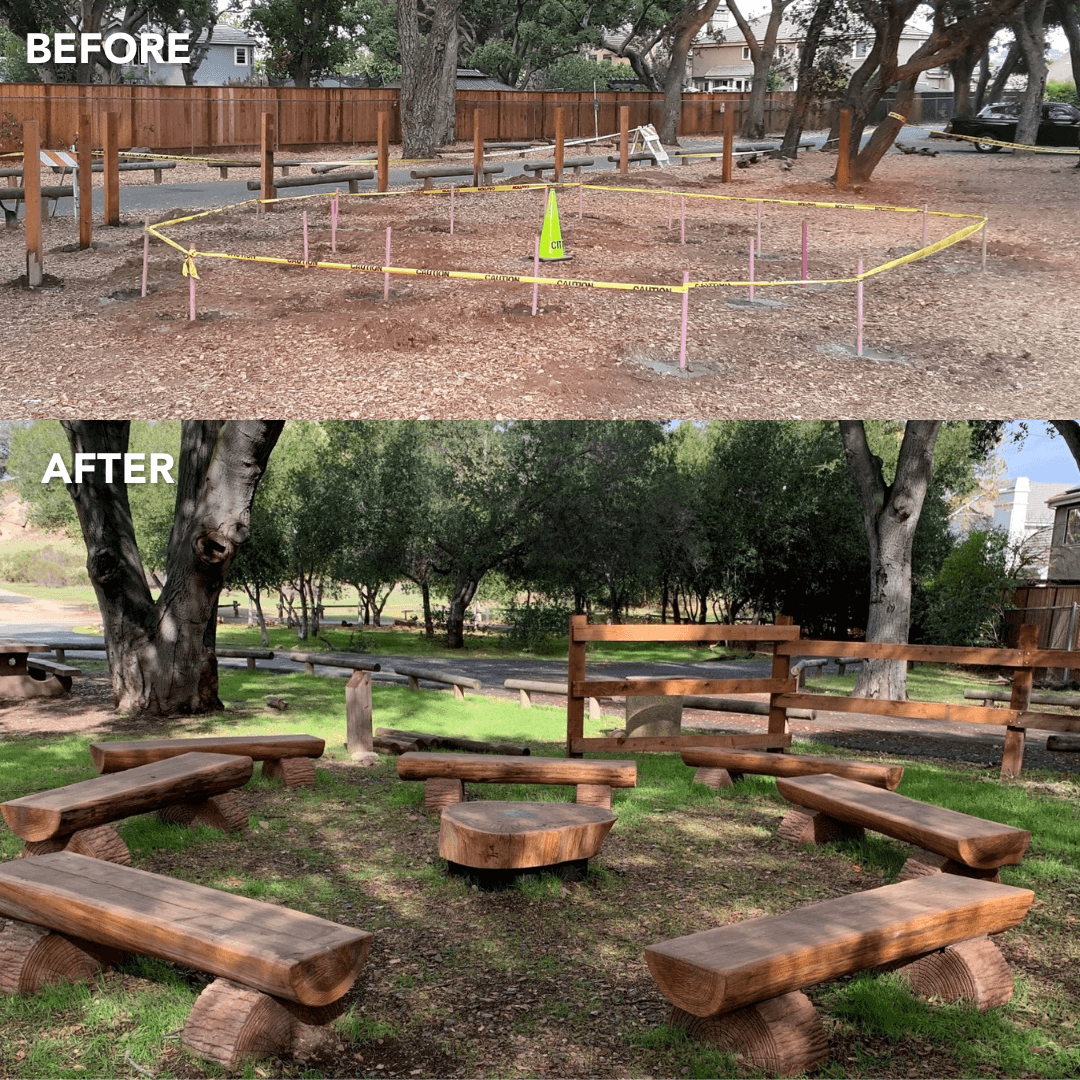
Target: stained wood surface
684, 632
126, 754
969, 840
110, 798
286, 953
342, 660
516, 835
505, 769
934, 654
703, 687
448, 678
748, 761
763, 741
718, 970
919, 710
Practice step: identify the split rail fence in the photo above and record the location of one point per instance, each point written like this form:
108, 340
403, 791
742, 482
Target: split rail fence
785, 643
174, 119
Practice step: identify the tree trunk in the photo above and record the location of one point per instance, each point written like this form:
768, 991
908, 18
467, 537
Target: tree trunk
1068, 15
464, 591
984, 78
425, 594
890, 516
865, 161
421, 65
1008, 66
806, 89
1069, 430
761, 56
961, 69
161, 655
446, 107
1032, 39
685, 28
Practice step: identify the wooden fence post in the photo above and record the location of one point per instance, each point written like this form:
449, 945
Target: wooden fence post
86, 180
1012, 757
778, 723
384, 151
729, 143
32, 201
843, 147
358, 713
575, 706
112, 168
560, 139
624, 140
477, 150
267, 133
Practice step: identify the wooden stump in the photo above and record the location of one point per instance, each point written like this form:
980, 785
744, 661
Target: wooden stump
972, 971
43, 847
293, 772
814, 827
716, 778
925, 863
593, 795
102, 842
225, 812
440, 792
783, 1035
230, 1021
32, 957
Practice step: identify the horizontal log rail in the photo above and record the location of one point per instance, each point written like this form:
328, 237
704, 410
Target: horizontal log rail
682, 632
670, 687
931, 654
677, 743
918, 710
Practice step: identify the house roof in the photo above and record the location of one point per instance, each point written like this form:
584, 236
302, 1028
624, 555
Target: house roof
728, 71
1065, 498
228, 35
1039, 513
470, 79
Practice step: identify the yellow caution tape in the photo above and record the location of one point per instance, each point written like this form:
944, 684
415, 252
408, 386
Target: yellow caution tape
897, 116
1016, 146
189, 264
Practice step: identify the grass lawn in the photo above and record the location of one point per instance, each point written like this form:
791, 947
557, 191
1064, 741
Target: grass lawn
548, 979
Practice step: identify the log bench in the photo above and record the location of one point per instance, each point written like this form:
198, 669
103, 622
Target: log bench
340, 660
352, 178
642, 156
718, 767
541, 167
223, 167
989, 697
192, 789
427, 173
801, 669
494, 844
740, 986
460, 683
250, 655
333, 166
527, 687
445, 775
125, 166
278, 971
289, 758
41, 667
952, 843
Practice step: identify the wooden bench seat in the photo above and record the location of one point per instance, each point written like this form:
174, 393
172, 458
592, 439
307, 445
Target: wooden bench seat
964, 844
193, 789
429, 172
739, 986
541, 167
63, 672
276, 968
285, 757
445, 775
717, 767
642, 156
352, 178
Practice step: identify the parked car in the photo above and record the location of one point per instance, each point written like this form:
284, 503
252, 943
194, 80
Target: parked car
1059, 125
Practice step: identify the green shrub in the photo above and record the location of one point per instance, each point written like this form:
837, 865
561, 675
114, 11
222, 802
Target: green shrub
1062, 91
44, 566
532, 623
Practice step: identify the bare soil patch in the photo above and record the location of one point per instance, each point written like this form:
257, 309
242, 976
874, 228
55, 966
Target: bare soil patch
293, 341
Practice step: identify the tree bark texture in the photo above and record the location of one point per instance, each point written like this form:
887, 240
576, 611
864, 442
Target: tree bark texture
806, 88
761, 56
422, 63
161, 654
684, 28
890, 516
1069, 430
464, 591
1031, 37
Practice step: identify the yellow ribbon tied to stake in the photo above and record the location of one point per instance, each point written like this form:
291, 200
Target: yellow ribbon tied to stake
189, 264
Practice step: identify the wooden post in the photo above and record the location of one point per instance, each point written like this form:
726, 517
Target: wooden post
624, 140
1012, 758
560, 138
32, 201
267, 159
843, 146
778, 724
575, 706
729, 143
112, 168
477, 150
86, 180
384, 151
358, 710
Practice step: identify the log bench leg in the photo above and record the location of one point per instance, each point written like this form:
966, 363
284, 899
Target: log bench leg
716, 778
972, 971
32, 957
459, 693
102, 842
225, 812
813, 827
784, 1035
925, 863
593, 795
230, 1021
293, 772
442, 791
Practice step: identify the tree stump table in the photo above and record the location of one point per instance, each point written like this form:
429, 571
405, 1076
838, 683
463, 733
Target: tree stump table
493, 844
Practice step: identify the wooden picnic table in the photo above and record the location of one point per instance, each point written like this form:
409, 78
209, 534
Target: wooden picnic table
15, 679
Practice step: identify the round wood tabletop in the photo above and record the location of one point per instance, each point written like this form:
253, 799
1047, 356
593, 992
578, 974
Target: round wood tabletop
515, 835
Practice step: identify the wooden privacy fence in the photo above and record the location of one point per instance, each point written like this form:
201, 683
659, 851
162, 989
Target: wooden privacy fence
210, 118
1025, 659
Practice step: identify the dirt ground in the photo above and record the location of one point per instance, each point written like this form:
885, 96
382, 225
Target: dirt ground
942, 338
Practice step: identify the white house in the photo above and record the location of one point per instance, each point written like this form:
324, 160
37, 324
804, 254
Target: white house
1023, 510
231, 58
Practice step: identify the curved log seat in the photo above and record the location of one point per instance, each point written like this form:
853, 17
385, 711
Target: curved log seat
710, 761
